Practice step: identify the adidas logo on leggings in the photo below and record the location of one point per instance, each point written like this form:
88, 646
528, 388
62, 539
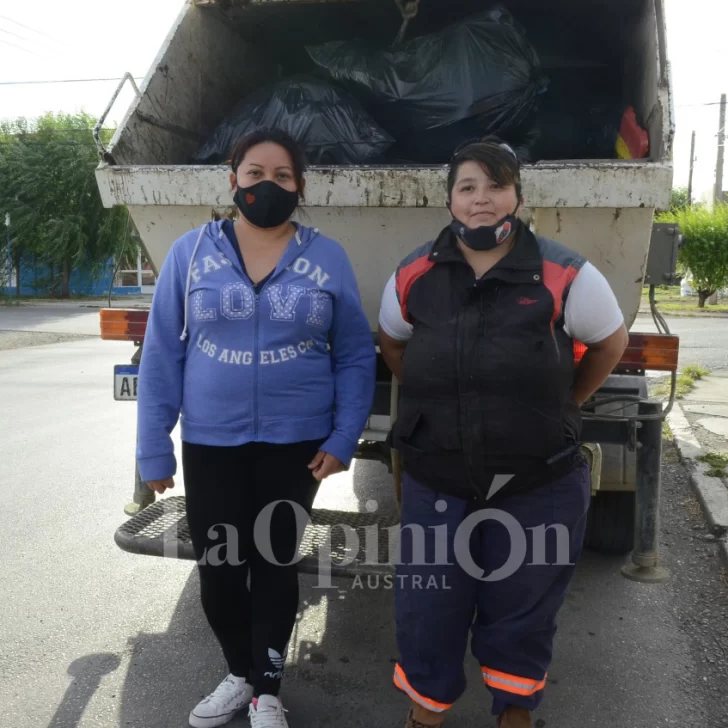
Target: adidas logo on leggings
278, 661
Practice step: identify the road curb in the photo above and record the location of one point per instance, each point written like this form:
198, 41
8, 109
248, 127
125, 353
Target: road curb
132, 302
681, 314
711, 492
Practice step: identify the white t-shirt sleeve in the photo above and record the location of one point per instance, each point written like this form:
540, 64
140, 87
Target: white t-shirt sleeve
592, 311
390, 314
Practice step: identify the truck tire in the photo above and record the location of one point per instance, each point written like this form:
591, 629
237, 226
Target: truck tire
610, 523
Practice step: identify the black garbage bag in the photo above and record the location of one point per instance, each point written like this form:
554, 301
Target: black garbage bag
579, 117
328, 122
481, 69
436, 146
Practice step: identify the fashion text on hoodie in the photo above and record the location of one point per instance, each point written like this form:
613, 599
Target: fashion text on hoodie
290, 361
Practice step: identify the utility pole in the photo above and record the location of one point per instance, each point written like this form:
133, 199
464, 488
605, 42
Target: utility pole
690, 179
9, 249
718, 192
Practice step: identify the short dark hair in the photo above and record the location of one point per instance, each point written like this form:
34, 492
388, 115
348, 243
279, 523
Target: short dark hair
499, 162
275, 136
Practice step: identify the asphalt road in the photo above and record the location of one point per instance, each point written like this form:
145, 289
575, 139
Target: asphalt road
58, 318
92, 636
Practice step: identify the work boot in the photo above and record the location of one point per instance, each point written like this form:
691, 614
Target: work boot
419, 717
515, 717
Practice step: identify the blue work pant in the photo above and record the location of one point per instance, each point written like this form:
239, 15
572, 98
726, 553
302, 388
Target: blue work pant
499, 571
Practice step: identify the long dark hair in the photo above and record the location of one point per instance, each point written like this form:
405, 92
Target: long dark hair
497, 161
275, 136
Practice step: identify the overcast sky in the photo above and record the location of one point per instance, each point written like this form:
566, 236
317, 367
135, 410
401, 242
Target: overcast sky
53, 39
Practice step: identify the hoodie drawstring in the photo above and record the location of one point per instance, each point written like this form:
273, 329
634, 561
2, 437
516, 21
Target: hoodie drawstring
189, 279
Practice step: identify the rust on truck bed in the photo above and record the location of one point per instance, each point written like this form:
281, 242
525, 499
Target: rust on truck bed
605, 184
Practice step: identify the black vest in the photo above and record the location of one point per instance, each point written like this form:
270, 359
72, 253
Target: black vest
488, 374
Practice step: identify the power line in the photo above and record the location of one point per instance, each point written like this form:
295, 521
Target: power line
59, 48
16, 35
15, 45
52, 130
33, 30
63, 80
51, 135
709, 103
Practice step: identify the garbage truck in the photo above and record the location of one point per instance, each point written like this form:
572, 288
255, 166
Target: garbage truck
597, 198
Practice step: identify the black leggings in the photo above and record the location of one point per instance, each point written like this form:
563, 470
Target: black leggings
226, 488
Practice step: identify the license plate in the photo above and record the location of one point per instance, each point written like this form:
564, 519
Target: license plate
126, 379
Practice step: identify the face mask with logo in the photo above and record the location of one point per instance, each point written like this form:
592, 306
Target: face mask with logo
266, 204
486, 237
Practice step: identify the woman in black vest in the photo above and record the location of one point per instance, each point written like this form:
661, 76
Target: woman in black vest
479, 326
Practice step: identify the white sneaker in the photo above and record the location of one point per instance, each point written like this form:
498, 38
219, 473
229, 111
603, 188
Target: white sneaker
220, 706
267, 712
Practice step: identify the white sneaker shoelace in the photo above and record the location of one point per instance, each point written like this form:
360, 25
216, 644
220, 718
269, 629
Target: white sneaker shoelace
268, 715
226, 692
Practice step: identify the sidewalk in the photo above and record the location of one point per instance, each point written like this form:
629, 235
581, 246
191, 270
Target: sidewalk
699, 425
706, 409
141, 301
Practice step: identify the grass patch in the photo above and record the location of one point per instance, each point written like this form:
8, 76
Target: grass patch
685, 381
695, 372
669, 299
691, 309
7, 300
666, 430
718, 463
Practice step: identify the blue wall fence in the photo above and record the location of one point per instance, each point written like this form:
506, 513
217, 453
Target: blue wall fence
34, 278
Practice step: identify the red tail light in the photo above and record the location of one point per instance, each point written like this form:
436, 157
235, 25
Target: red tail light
119, 324
656, 352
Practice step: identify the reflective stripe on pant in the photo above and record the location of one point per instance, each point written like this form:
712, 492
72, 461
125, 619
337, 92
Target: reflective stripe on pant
500, 572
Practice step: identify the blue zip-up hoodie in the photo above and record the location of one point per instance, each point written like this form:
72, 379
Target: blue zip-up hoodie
295, 361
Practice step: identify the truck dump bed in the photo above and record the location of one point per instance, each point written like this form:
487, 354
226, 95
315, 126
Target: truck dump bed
219, 51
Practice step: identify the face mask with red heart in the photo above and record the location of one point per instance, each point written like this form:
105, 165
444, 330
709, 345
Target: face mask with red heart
266, 204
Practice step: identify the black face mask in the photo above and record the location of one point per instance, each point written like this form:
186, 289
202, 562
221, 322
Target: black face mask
486, 237
266, 204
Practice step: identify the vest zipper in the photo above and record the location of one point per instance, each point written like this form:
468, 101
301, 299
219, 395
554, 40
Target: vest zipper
556, 343
482, 328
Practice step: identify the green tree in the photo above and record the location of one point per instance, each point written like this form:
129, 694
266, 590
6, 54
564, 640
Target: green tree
10, 134
705, 249
679, 199
48, 187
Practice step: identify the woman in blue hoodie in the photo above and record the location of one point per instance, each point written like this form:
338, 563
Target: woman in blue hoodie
258, 340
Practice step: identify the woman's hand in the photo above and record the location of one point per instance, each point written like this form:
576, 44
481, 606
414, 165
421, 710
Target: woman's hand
324, 465
159, 486
598, 363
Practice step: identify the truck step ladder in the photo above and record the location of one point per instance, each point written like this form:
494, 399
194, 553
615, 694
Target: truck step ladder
161, 530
